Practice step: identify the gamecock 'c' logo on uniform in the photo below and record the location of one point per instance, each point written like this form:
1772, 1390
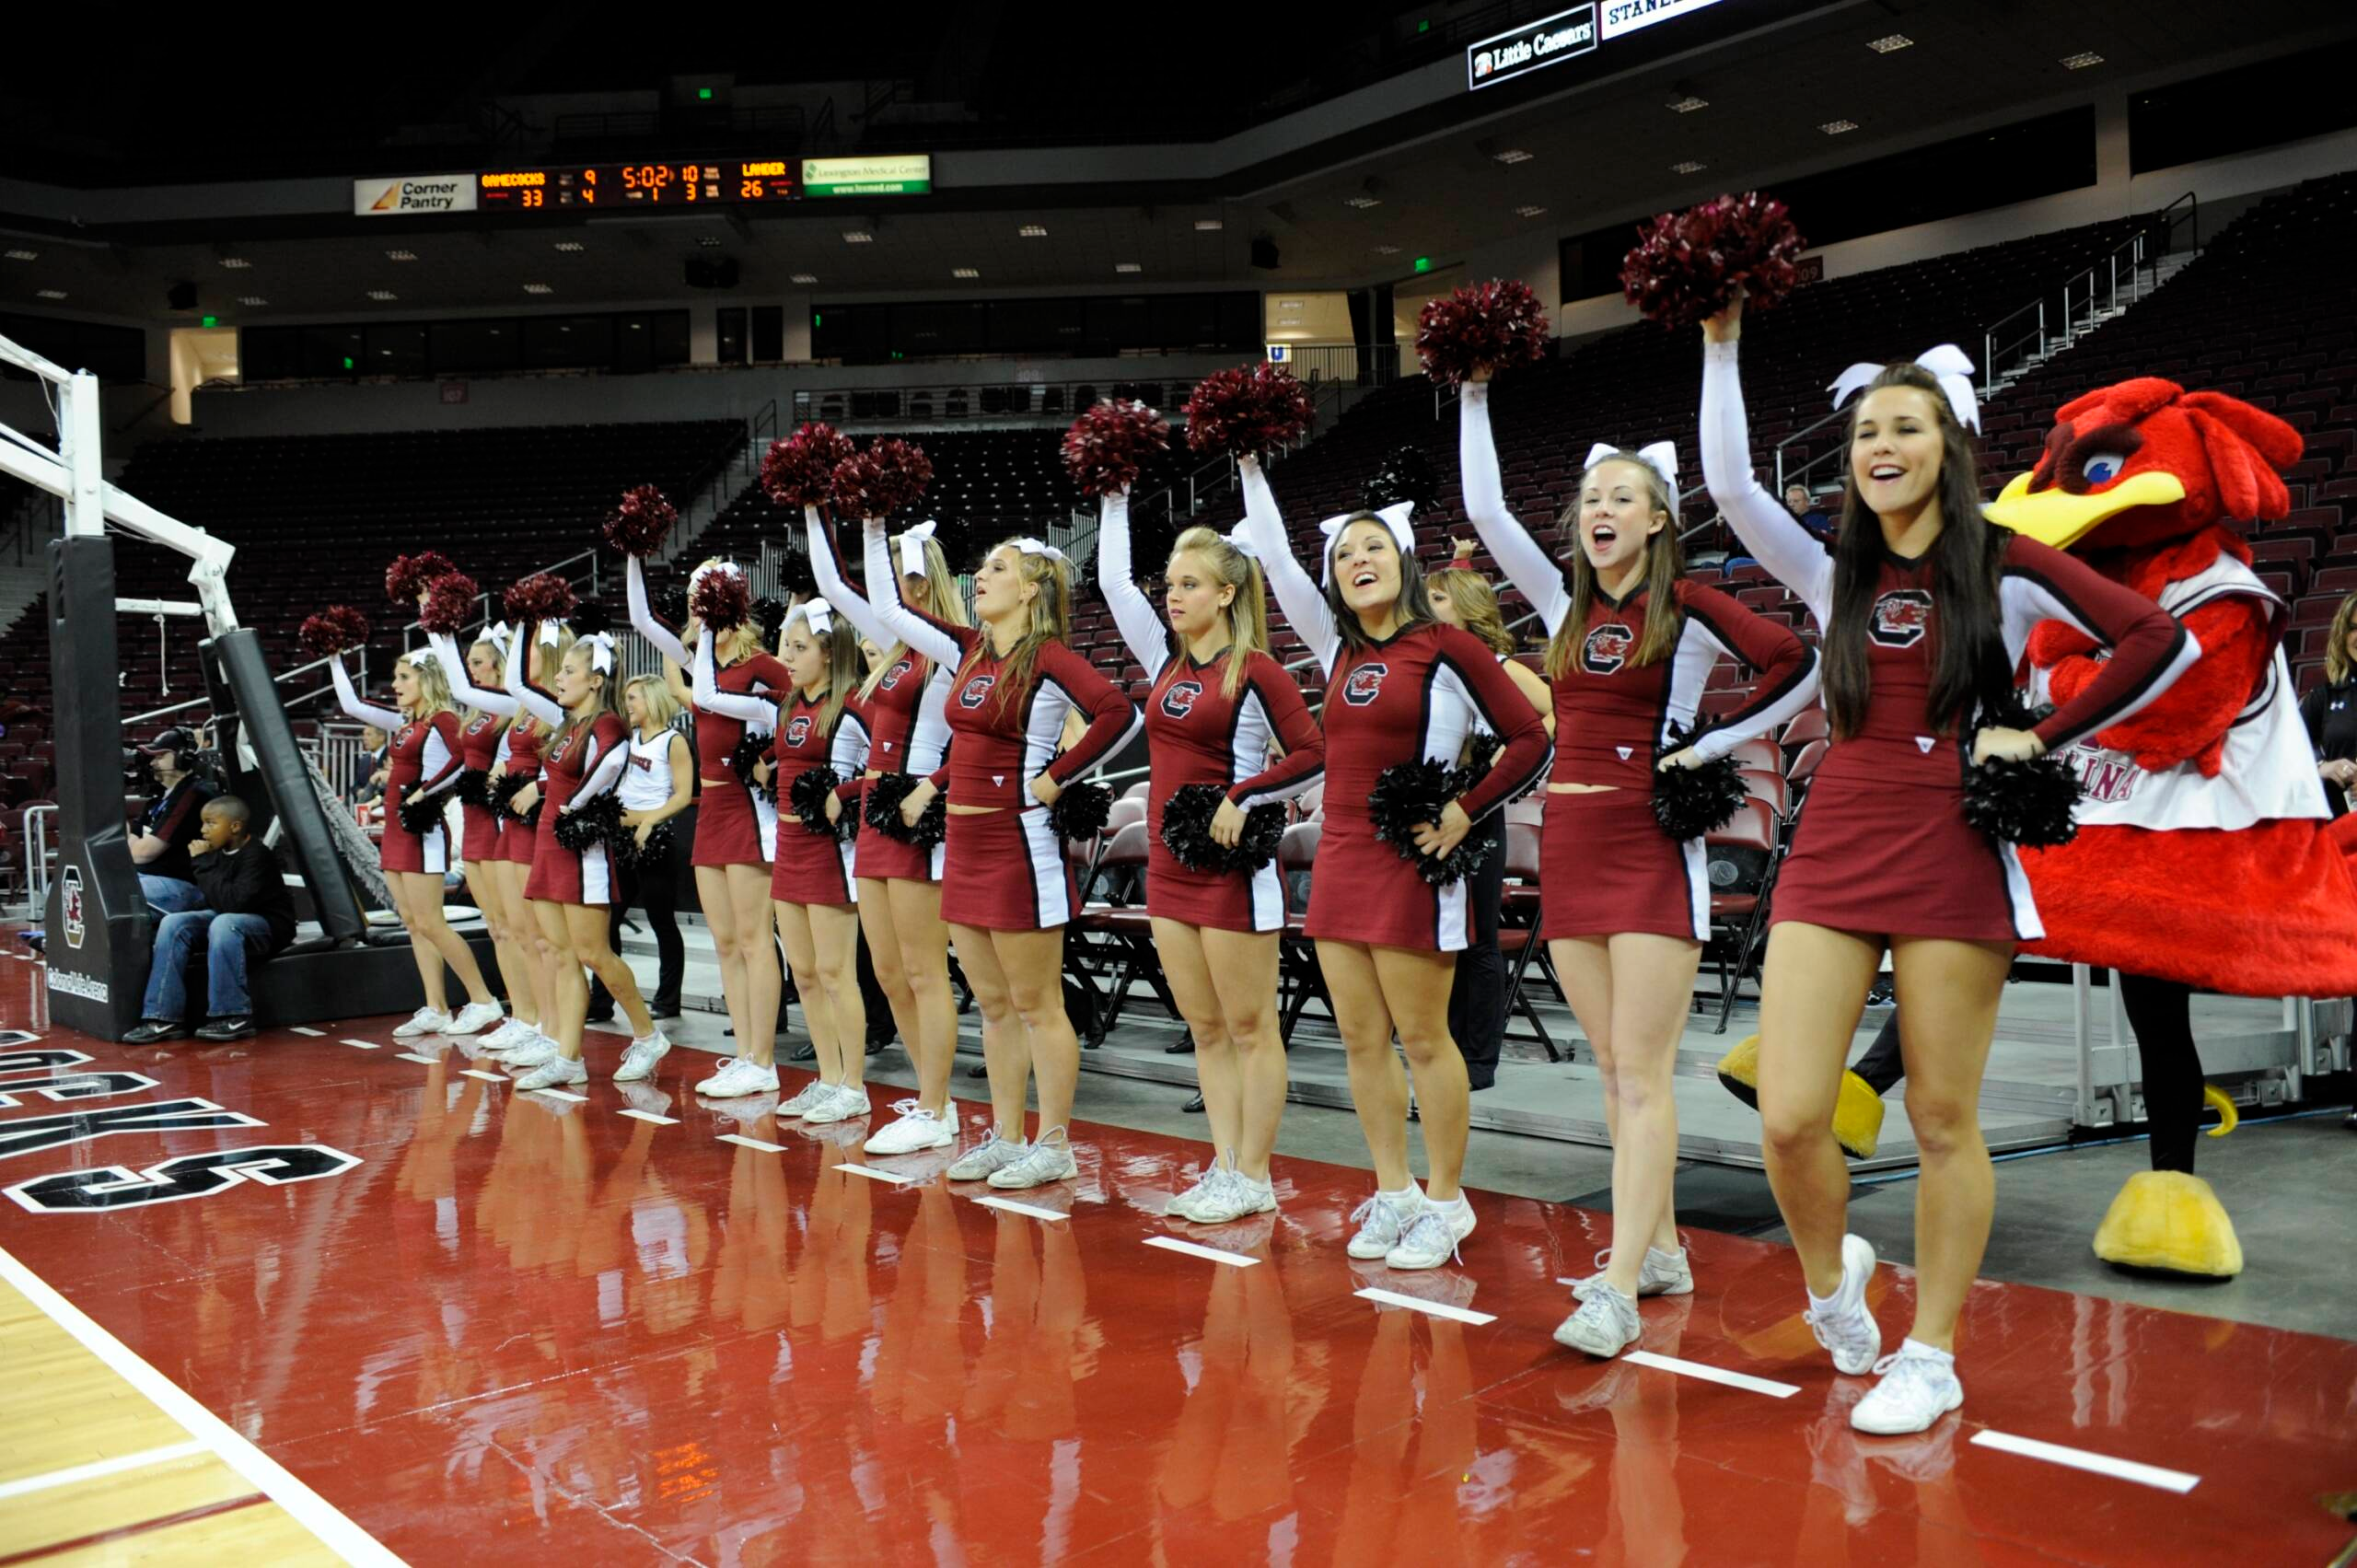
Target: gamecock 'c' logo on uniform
1607, 649
1365, 683
1179, 698
1901, 617
970, 695
797, 730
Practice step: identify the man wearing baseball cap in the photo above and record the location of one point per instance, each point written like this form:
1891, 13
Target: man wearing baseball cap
160, 834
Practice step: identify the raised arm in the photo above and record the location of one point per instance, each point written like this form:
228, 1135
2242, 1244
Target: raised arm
758, 711
2149, 648
1787, 666
462, 687
349, 700
827, 567
1524, 560
1142, 629
538, 704
936, 640
650, 625
1298, 593
1789, 551
1112, 718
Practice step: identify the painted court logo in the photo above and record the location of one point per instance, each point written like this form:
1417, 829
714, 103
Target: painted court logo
1901, 617
1607, 649
971, 695
1366, 684
1179, 698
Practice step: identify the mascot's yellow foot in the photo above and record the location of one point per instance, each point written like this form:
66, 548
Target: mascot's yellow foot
2171, 1220
2223, 1104
1857, 1115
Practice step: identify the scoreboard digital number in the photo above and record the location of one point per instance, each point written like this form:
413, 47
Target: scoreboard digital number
624, 185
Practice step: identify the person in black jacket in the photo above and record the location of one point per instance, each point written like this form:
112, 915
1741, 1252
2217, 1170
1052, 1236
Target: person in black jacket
246, 916
159, 835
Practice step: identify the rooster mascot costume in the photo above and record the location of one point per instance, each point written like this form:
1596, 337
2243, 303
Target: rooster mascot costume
2202, 860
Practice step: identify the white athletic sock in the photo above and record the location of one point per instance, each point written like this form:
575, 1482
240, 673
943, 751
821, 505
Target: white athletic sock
1915, 1347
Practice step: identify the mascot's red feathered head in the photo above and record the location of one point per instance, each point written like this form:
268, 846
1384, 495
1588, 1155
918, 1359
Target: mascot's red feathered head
2146, 461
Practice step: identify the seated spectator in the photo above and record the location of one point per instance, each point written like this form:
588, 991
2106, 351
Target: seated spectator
1804, 506
370, 767
160, 833
2331, 709
245, 915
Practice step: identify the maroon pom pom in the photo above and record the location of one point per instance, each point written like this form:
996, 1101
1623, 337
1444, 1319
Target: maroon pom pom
449, 603
640, 522
890, 474
1108, 446
799, 470
1687, 266
543, 596
410, 576
1243, 412
1498, 324
332, 630
720, 600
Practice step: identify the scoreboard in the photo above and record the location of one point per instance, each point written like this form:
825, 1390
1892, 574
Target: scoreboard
637, 185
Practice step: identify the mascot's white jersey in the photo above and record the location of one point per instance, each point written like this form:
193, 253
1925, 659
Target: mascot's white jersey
2268, 770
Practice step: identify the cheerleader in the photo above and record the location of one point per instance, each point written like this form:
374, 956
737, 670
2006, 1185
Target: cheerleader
1925, 609
1007, 888
568, 889
425, 762
659, 783
903, 700
497, 883
1630, 647
736, 838
817, 724
1399, 688
1216, 701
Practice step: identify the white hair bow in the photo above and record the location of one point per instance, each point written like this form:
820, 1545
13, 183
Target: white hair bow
1039, 547
1239, 540
550, 632
817, 612
698, 574
1948, 363
1661, 457
499, 634
420, 658
601, 652
912, 545
1394, 517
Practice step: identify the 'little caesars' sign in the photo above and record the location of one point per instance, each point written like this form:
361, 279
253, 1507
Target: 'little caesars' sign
1564, 36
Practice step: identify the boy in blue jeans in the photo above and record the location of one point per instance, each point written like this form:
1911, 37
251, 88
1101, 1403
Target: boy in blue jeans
247, 916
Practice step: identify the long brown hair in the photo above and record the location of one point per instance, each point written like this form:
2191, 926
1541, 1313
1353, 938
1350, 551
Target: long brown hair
1968, 661
1413, 607
609, 694
1246, 613
1050, 622
840, 644
1476, 605
2336, 652
1665, 564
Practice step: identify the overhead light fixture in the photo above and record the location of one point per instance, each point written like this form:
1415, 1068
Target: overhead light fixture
53, 294
1688, 166
805, 277
1387, 250
1361, 203
23, 255
858, 236
1688, 104
1836, 127
2081, 61
390, 256
1511, 155
1528, 212
571, 247
1032, 231
710, 241
964, 273
538, 288
251, 299
1891, 43
1127, 267
236, 264
1206, 226
382, 294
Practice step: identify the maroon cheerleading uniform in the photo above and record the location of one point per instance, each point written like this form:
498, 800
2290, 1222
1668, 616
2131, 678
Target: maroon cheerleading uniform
1197, 732
585, 763
815, 867
422, 759
478, 749
1005, 869
1883, 846
905, 712
736, 825
1610, 865
518, 837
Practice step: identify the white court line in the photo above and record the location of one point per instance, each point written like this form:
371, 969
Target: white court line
1438, 1310
315, 1513
1172, 1243
1713, 1374
363, 1044
743, 1142
101, 1468
1012, 1207
872, 1173
299, 1029
486, 1077
641, 1115
562, 1094
421, 1060
2081, 1459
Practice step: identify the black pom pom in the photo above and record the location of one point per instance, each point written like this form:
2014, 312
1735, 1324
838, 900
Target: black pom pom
420, 814
473, 787
1409, 795
670, 604
1692, 802
590, 824
628, 852
808, 795
885, 794
589, 618
2032, 803
1081, 811
1405, 475
748, 753
769, 614
1186, 831
504, 791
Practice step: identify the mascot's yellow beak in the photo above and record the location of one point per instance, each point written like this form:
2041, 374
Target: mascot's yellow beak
2060, 518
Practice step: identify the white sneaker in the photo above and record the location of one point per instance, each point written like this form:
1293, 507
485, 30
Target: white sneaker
916, 1129
843, 1103
1206, 1187
556, 1072
813, 1093
739, 1076
1381, 1219
1045, 1161
1843, 1325
1919, 1386
515, 1031
987, 1158
475, 1017
424, 1021
1604, 1325
1432, 1236
1662, 1273
638, 1062
537, 1051
1238, 1197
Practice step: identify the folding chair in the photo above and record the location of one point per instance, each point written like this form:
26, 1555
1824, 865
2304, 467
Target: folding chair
1125, 949
1519, 938
1299, 977
1743, 916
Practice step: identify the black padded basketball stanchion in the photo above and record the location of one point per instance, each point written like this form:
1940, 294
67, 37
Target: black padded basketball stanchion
99, 930
279, 762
